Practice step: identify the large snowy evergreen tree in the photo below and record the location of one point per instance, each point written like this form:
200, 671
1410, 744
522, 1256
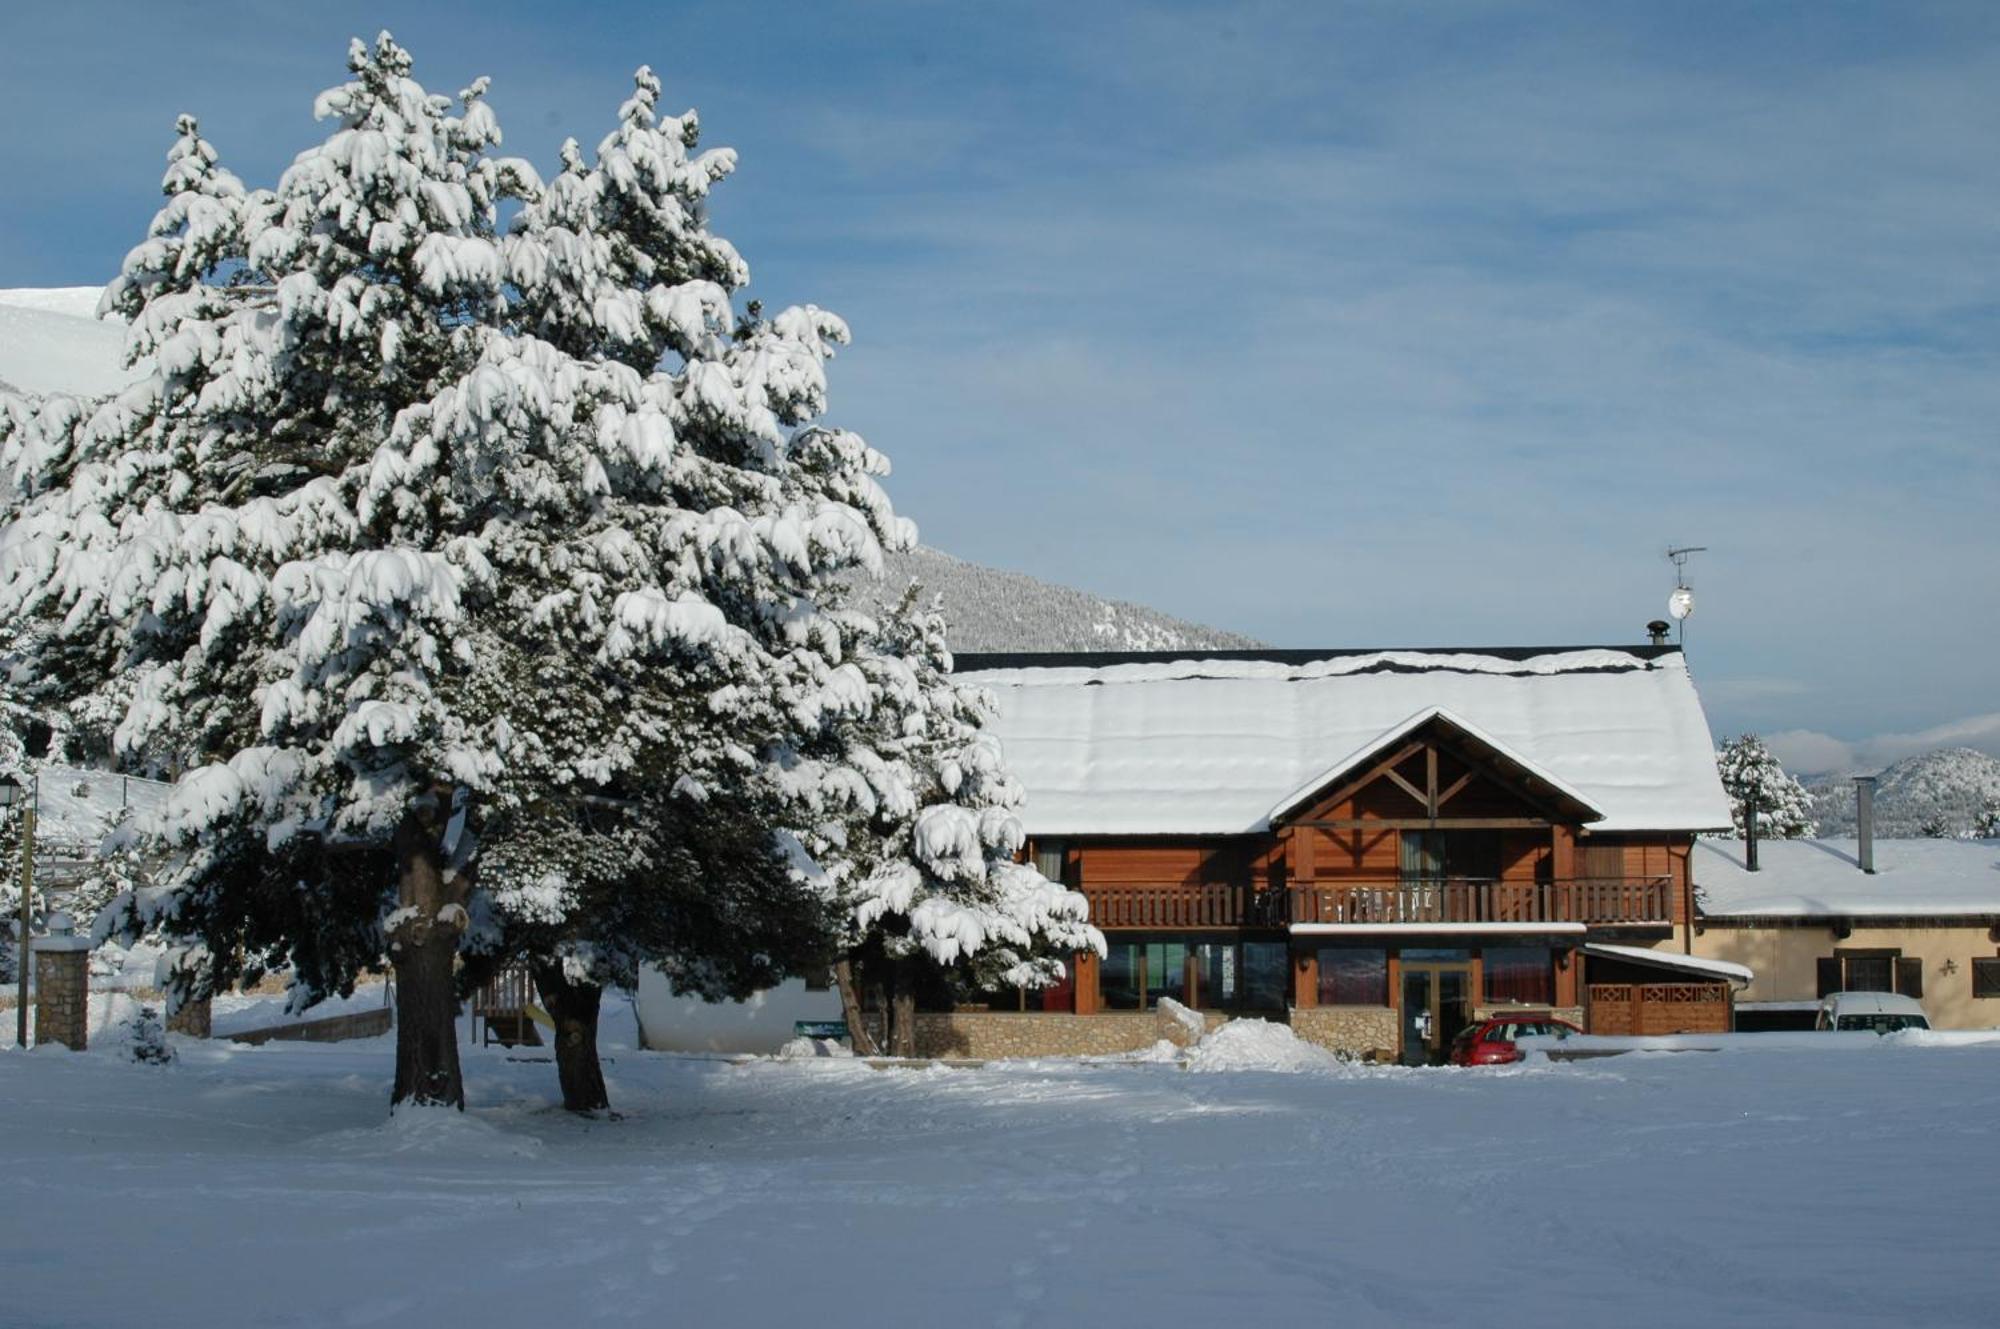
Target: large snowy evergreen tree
1784, 807
487, 585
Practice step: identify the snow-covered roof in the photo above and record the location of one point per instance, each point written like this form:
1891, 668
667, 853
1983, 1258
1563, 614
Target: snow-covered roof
1694, 964
52, 341
77, 806
1213, 743
1823, 879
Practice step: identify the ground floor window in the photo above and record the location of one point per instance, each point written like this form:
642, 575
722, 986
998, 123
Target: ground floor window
1208, 975
1883, 970
1522, 974
1353, 976
1986, 976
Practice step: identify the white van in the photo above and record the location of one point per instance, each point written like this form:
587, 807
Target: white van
1874, 1012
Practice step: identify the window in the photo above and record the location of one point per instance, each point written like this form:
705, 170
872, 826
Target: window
1136, 974
1986, 976
1884, 970
1353, 976
1266, 975
1430, 855
1049, 856
1519, 974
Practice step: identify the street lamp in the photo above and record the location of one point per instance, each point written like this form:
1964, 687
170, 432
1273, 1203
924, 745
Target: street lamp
10, 794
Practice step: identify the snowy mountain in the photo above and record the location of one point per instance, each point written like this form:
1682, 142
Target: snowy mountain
1951, 785
51, 341
991, 610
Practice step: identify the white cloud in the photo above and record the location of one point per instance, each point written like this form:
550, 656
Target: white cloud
1808, 751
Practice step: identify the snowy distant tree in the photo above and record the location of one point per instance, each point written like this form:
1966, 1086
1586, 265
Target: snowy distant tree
1987, 825
393, 575
924, 844
1937, 827
1784, 807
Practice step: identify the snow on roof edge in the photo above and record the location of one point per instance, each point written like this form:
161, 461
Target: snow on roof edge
1672, 960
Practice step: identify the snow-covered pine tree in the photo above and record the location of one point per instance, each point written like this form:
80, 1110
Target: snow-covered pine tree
671, 861
1987, 825
1784, 807
402, 576
924, 843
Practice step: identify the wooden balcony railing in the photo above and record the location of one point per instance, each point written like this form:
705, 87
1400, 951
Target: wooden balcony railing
1172, 906
1473, 900
1589, 900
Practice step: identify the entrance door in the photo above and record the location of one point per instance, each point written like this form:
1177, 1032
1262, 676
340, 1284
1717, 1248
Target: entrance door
1437, 1004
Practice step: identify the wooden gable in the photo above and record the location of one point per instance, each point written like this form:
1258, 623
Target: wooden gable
1436, 772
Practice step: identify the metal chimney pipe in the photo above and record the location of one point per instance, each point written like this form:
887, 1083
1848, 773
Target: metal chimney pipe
1864, 820
1750, 831
1656, 632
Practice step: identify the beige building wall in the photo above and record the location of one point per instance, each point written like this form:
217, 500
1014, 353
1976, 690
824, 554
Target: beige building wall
1785, 960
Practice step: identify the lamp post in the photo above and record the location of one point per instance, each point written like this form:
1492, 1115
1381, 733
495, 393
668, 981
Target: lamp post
10, 794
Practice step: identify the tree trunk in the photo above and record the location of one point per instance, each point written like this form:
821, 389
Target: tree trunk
859, 1036
423, 946
903, 1016
573, 1006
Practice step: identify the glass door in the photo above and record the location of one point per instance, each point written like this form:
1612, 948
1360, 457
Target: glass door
1437, 1004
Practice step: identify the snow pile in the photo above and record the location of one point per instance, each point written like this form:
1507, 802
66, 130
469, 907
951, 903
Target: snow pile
435, 1133
1259, 1045
1191, 1024
806, 1049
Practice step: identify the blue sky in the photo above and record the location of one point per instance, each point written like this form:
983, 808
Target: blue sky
1379, 324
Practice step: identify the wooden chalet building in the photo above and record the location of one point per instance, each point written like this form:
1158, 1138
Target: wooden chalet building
1377, 846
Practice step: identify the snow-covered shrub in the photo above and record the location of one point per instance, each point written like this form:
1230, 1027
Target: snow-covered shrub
144, 1037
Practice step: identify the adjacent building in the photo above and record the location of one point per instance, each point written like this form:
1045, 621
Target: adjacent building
1919, 917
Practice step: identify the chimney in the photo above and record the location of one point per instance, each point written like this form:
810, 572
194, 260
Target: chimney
1750, 831
1864, 820
1656, 631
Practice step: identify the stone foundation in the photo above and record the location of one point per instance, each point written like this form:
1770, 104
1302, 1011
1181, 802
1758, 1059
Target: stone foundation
991, 1035
194, 1018
1357, 1031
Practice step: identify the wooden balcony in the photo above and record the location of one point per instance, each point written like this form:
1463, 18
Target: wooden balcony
1604, 901
1589, 900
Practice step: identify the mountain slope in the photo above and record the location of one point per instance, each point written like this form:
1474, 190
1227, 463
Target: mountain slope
991, 610
1951, 786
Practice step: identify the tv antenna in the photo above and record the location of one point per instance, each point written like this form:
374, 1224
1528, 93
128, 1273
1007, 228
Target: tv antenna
1681, 602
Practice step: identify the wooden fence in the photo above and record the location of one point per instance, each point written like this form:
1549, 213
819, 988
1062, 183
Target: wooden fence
1647, 1009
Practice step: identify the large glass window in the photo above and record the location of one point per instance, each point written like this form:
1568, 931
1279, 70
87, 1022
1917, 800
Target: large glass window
1266, 975
1166, 971
1219, 975
1353, 976
1136, 974
1519, 974
1118, 977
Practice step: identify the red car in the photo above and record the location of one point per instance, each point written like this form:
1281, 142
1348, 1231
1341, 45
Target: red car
1491, 1042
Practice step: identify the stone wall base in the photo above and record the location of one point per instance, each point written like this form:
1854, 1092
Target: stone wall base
1357, 1031
989, 1035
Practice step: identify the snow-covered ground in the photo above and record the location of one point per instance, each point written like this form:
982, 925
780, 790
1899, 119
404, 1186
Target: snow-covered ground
268, 1186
